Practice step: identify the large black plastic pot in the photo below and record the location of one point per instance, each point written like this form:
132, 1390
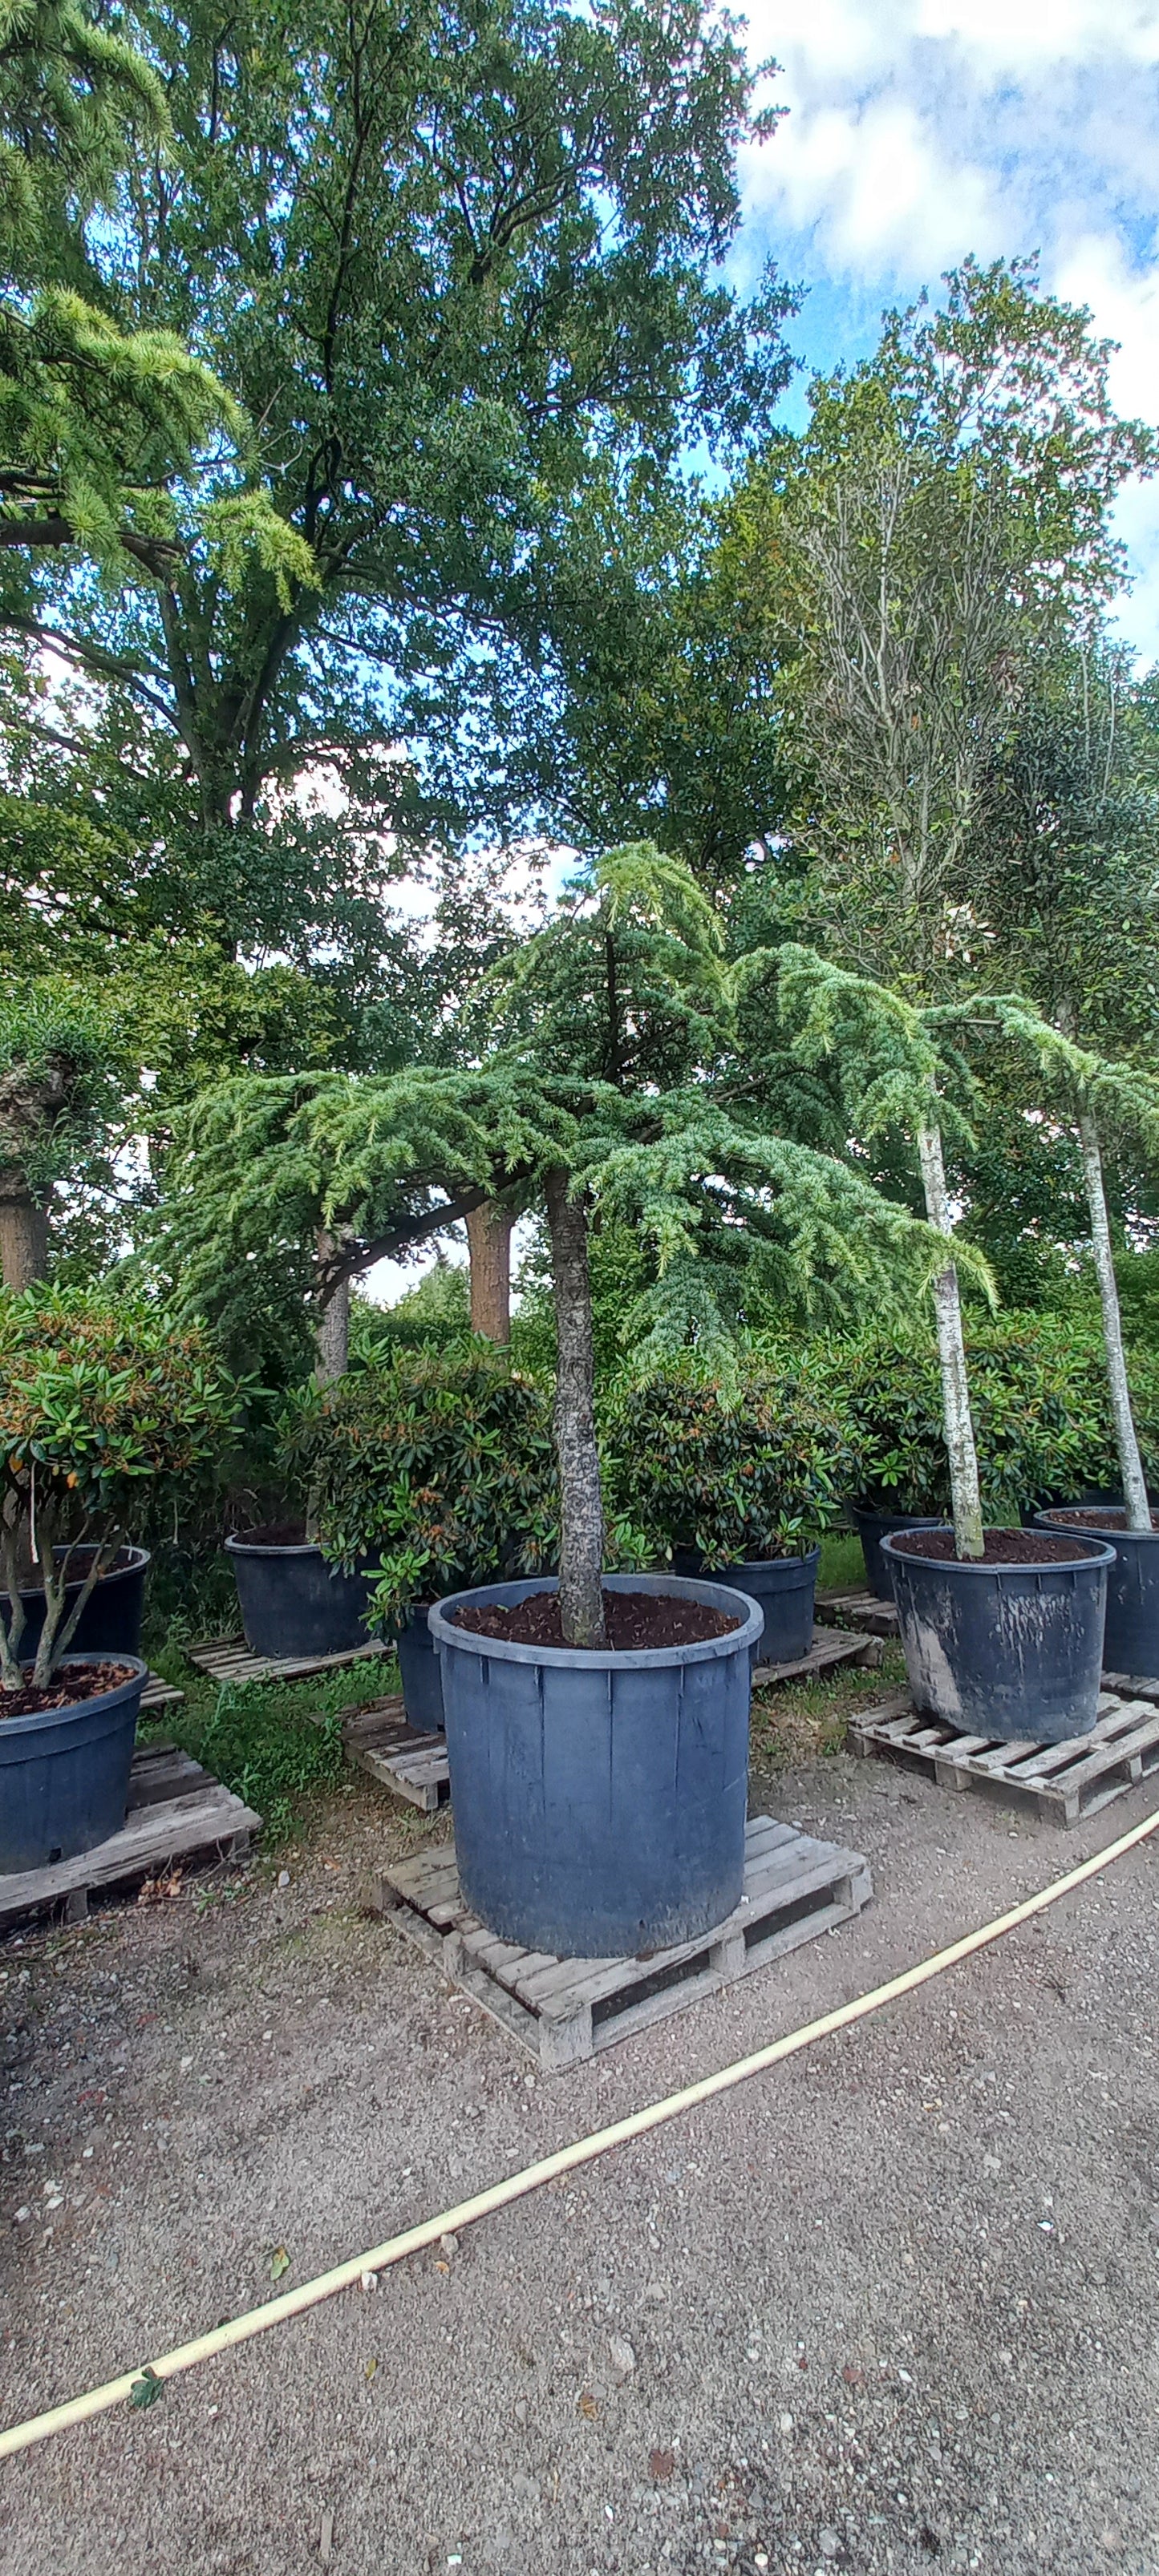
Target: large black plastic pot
110, 1623
422, 1686
871, 1528
1004, 1651
784, 1587
64, 1775
293, 1603
599, 1798
1131, 1639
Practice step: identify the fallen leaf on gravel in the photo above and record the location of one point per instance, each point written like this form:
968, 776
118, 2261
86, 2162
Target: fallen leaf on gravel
588, 2406
852, 2376
279, 2262
146, 2390
371, 2366
661, 2464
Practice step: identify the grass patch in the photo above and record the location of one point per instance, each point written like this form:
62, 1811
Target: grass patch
275, 1744
842, 1565
804, 1721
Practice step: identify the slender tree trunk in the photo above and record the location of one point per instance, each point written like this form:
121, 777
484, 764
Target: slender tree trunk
581, 1556
489, 1240
333, 1335
959, 1427
23, 1234
1130, 1463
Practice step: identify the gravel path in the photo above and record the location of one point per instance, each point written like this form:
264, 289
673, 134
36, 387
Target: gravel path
889, 2308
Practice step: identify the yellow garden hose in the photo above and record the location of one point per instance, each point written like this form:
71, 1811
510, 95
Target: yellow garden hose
294, 2303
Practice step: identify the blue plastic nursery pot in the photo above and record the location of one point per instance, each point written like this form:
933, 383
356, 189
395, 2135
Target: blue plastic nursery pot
599, 1798
64, 1773
1007, 1652
418, 1663
110, 1623
1131, 1638
872, 1527
293, 1603
784, 1587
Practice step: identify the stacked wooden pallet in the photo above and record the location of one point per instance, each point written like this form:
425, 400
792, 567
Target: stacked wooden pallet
565, 2010
1060, 1782
176, 1812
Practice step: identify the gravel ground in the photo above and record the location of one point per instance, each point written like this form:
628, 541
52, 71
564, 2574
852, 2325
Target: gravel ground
888, 2308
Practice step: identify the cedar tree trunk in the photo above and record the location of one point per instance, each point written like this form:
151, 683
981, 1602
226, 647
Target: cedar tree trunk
333, 1336
581, 1556
489, 1240
959, 1428
1130, 1463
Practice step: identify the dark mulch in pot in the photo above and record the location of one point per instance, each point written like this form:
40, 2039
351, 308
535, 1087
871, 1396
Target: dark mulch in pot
1002, 1547
634, 1620
273, 1534
65, 1690
1098, 1518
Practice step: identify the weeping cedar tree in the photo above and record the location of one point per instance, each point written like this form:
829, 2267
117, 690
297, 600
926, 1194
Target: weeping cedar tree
1098, 1098
1064, 876
613, 1090
893, 1058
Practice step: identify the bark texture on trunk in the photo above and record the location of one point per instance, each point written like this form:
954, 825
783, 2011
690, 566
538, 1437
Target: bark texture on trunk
333, 1334
1130, 1463
23, 1234
581, 1557
959, 1427
489, 1241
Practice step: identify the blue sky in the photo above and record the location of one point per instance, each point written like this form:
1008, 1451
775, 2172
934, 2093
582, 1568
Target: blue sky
919, 130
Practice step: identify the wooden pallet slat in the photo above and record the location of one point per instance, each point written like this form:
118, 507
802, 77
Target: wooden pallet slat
176, 1811
565, 2010
229, 1659
1059, 1782
831, 1648
861, 1609
158, 1694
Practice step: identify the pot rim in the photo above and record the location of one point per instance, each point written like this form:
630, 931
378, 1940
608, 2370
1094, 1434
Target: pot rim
138, 1558
737, 1565
602, 1659
81, 1708
236, 1545
1095, 1552
1056, 1516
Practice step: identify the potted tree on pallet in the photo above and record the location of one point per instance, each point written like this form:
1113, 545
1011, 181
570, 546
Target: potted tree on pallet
598, 1744
1003, 1627
99, 1404
734, 1482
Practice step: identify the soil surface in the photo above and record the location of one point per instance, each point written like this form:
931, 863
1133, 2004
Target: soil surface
1002, 1547
273, 1534
886, 2310
66, 1689
1099, 1517
635, 1621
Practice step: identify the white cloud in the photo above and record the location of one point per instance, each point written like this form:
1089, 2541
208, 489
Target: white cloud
921, 130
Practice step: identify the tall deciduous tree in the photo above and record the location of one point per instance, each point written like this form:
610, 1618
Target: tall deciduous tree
944, 517
446, 260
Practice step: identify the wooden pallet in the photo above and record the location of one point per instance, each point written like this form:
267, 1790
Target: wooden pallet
831, 1648
176, 1811
158, 1694
565, 2010
411, 1766
229, 1659
858, 1610
1062, 1783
